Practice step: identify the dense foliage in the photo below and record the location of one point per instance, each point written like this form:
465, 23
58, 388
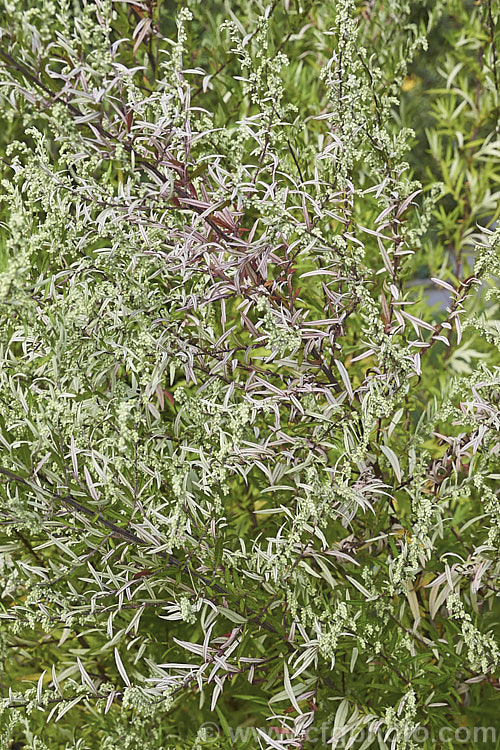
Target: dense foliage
249, 381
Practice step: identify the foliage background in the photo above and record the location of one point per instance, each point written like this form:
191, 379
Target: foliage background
249, 373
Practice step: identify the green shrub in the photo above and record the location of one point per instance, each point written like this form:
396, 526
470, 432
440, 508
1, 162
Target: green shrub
249, 379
